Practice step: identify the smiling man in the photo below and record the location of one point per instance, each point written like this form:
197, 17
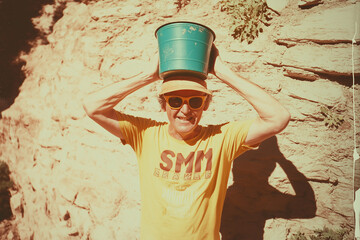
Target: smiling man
184, 166
184, 99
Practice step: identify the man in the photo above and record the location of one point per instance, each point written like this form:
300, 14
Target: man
183, 166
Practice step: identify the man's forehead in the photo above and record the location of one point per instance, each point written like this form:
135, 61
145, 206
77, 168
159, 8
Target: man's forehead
186, 93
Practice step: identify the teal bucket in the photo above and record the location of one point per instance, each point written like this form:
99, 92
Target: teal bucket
184, 49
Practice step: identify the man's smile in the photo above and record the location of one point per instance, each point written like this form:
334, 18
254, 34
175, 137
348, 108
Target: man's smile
187, 119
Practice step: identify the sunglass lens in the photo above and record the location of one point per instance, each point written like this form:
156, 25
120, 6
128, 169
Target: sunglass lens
195, 102
175, 102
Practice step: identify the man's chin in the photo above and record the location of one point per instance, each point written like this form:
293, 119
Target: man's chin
186, 130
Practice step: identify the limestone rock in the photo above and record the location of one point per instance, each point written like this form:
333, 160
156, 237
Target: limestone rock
332, 25
74, 180
309, 3
299, 73
320, 44
322, 59
277, 5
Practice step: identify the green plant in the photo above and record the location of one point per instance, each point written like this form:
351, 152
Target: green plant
248, 17
322, 234
181, 3
331, 118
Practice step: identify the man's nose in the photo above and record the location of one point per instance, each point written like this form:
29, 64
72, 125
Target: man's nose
185, 108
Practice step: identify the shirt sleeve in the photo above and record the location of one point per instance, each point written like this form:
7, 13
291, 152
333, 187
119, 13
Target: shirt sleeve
235, 134
133, 128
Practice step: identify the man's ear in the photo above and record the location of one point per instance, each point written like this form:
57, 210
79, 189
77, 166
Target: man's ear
206, 106
207, 103
162, 103
163, 107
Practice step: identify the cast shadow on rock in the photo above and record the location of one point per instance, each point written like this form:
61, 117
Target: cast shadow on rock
17, 35
5, 185
251, 200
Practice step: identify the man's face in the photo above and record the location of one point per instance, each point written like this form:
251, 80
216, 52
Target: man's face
183, 122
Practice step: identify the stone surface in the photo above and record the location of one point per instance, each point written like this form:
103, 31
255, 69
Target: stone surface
318, 92
277, 5
322, 59
73, 180
324, 41
324, 25
309, 3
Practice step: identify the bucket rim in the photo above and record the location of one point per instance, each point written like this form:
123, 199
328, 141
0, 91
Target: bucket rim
196, 23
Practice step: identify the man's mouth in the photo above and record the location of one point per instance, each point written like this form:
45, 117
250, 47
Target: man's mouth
186, 119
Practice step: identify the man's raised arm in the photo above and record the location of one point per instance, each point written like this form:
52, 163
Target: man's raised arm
100, 104
273, 117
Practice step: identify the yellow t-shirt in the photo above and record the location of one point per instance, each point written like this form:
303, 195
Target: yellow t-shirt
182, 183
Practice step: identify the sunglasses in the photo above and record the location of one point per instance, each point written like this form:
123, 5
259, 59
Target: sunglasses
194, 102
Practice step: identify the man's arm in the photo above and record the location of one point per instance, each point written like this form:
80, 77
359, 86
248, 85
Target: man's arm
100, 104
272, 116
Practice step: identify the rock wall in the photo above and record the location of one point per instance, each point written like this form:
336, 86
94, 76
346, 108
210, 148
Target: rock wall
73, 180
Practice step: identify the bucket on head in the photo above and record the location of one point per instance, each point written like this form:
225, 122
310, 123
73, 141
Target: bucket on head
184, 49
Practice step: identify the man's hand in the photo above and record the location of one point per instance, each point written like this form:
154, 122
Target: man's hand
152, 68
216, 65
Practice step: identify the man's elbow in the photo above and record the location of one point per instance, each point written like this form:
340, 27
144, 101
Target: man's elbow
282, 120
278, 122
86, 106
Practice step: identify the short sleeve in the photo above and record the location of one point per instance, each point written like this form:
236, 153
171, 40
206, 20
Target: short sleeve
133, 128
235, 134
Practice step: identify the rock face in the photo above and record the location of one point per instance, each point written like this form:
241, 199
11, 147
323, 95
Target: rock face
73, 180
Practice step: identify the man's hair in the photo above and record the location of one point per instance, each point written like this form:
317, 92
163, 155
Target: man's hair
162, 101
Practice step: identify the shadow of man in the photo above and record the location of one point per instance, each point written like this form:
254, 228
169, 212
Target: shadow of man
250, 201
